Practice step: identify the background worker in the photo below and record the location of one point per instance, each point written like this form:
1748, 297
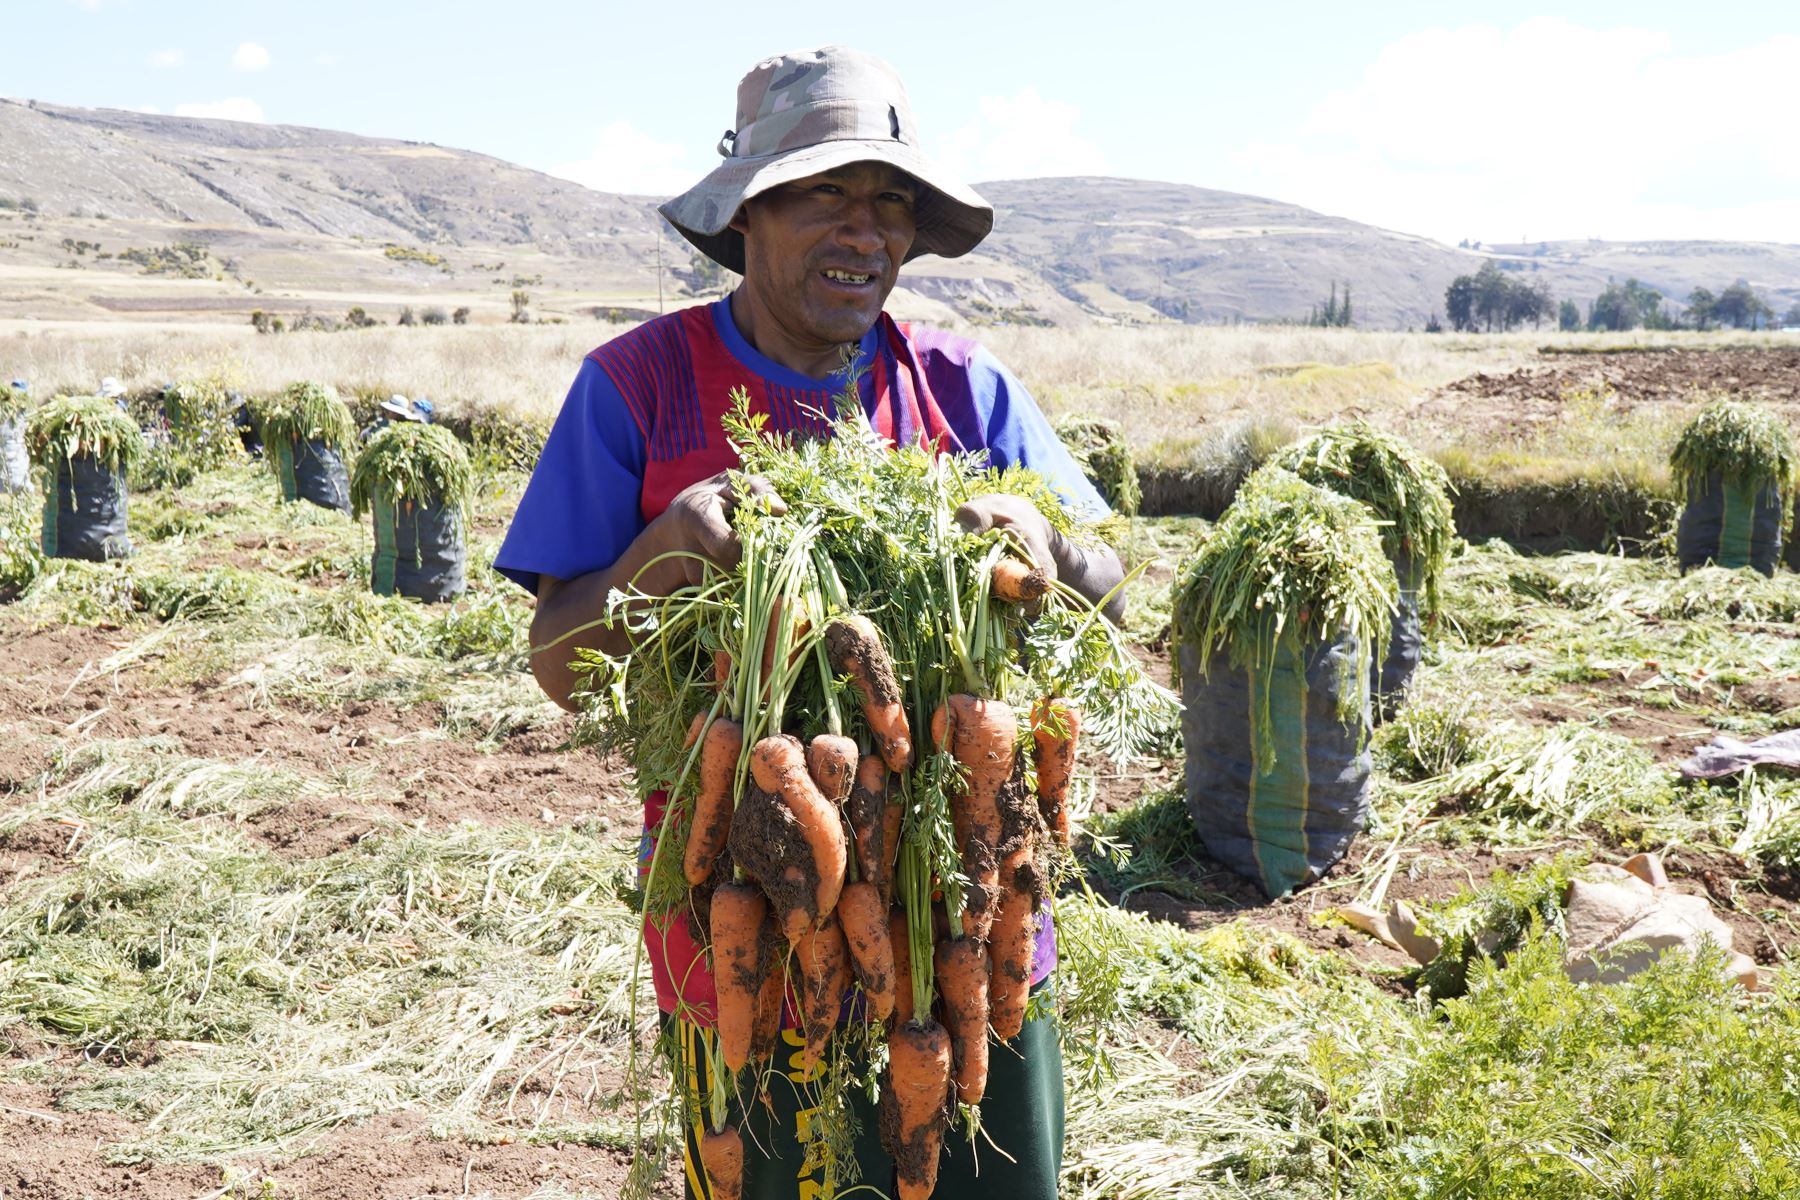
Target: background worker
822, 194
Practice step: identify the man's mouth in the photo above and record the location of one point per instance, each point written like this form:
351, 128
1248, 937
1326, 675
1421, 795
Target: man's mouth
849, 278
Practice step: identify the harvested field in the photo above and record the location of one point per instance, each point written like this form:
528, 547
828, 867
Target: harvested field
303, 885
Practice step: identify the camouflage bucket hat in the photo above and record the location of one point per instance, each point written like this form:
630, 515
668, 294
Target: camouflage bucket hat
815, 110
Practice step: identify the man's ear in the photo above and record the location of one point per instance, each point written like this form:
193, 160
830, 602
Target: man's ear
739, 221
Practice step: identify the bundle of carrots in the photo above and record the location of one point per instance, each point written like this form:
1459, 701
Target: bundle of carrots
868, 732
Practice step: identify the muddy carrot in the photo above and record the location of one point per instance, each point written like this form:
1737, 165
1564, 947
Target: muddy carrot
979, 734
738, 910
854, 647
816, 834
901, 944
722, 1152
863, 916
962, 983
769, 1001
919, 1073
1019, 583
695, 727
831, 761
1053, 754
824, 963
713, 801
1011, 945
864, 810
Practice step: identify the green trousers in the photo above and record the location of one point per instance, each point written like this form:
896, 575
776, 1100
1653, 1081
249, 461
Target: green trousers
1022, 1120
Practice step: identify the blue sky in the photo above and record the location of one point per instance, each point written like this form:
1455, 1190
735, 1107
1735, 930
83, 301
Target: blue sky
1485, 121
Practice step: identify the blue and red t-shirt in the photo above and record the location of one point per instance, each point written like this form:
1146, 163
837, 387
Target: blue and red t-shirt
641, 423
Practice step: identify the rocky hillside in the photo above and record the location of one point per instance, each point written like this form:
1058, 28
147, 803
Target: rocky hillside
293, 217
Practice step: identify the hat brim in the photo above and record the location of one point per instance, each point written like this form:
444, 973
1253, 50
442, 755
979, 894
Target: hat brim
951, 217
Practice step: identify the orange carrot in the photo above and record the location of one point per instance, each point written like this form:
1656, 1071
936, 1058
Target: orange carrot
1011, 946
694, 728
962, 975
812, 845
738, 910
979, 734
721, 669
1019, 583
854, 647
865, 809
769, 1001
919, 1075
864, 919
831, 761
900, 940
891, 820
824, 964
1054, 756
723, 1155
712, 802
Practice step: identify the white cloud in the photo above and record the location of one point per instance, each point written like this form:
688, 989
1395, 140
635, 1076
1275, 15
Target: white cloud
168, 58
1022, 137
327, 59
235, 108
1549, 130
626, 160
249, 57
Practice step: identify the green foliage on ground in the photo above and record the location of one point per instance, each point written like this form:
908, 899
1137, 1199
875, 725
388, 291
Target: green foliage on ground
1740, 441
408, 461
1408, 493
1104, 456
1288, 565
307, 411
68, 427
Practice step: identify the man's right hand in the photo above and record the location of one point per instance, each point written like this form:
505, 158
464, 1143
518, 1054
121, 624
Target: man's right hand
695, 526
666, 556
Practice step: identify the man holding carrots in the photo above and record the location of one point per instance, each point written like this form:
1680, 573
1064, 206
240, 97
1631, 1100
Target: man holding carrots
822, 195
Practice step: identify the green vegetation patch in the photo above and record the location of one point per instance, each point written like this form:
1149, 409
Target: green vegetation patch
1099, 448
71, 426
283, 997
1288, 564
13, 402
407, 461
1738, 441
310, 412
1408, 493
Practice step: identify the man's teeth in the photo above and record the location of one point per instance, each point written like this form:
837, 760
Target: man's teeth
847, 277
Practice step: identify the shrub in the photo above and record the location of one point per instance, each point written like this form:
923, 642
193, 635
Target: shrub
1101, 451
433, 316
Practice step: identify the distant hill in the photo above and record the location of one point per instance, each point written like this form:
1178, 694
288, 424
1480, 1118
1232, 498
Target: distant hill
292, 218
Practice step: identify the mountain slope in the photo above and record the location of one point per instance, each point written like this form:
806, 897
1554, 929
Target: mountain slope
297, 218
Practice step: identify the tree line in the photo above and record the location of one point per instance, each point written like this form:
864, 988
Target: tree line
1493, 299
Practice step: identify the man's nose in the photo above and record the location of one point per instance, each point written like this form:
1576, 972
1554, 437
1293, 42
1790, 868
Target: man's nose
857, 228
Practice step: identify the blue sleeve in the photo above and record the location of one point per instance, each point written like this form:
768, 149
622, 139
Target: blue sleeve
583, 506
1019, 435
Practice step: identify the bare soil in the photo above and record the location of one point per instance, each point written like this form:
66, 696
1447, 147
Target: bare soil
49, 1154
1516, 401
51, 693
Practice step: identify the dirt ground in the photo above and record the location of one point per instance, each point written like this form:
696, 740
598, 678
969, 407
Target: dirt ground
50, 693
1519, 401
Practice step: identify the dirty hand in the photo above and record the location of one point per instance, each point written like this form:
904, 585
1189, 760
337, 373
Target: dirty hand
1021, 518
698, 522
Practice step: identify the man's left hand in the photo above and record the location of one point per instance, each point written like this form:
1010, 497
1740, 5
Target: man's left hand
1019, 517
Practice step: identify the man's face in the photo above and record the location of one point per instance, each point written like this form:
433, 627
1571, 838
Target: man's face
822, 253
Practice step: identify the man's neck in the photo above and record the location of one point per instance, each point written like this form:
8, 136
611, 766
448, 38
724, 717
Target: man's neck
767, 339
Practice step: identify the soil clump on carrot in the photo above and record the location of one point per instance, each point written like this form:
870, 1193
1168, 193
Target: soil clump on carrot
768, 843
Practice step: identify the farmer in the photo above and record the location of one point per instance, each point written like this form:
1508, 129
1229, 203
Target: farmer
823, 193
